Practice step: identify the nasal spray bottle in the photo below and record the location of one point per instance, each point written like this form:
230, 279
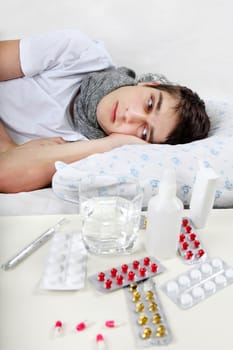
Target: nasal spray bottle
164, 219
203, 194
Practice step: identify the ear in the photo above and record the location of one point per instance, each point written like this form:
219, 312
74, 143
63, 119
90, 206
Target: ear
146, 83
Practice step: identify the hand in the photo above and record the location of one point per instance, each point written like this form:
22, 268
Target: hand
123, 139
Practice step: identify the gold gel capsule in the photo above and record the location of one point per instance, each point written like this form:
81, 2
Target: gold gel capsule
136, 296
146, 333
133, 287
156, 319
153, 306
142, 320
149, 295
139, 307
161, 331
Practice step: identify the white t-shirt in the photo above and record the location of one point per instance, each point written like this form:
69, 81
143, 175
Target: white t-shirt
54, 65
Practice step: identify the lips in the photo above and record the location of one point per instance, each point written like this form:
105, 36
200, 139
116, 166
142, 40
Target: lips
113, 113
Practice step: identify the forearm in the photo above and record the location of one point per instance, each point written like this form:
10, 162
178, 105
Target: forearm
27, 168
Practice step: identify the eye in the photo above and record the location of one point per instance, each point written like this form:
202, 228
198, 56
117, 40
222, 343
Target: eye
150, 103
144, 133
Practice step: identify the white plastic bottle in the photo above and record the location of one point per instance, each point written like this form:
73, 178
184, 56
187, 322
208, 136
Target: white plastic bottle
203, 194
164, 219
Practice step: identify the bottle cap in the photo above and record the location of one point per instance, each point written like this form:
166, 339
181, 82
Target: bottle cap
168, 182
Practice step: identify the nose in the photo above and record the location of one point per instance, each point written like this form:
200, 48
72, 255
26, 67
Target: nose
131, 116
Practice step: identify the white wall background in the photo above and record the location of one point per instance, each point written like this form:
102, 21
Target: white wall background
189, 41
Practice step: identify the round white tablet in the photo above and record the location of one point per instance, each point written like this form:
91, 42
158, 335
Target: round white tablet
195, 275
220, 280
184, 281
217, 263
186, 300
206, 269
172, 287
229, 273
209, 286
198, 293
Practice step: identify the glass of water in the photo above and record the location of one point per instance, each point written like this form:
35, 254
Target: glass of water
110, 209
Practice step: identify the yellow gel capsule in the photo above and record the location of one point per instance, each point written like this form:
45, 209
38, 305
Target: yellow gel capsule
133, 287
146, 333
140, 307
142, 320
161, 331
149, 295
156, 319
153, 306
136, 296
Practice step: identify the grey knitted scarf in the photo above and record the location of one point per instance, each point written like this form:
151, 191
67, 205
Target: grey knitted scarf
93, 88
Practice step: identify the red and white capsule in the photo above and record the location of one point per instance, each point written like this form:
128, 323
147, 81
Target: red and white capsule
82, 326
58, 327
100, 342
112, 324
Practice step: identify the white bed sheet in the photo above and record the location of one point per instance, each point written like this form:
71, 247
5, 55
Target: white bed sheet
40, 202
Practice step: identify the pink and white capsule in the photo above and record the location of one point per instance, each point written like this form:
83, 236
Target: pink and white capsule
111, 324
81, 326
100, 342
58, 328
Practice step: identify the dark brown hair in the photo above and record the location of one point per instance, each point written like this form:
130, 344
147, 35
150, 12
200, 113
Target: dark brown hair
194, 123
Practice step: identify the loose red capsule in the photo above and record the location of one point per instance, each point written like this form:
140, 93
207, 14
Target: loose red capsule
58, 328
58, 324
81, 326
184, 222
188, 229
111, 324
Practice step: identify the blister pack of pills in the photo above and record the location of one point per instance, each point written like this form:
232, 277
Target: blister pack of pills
121, 276
199, 283
190, 247
147, 314
66, 263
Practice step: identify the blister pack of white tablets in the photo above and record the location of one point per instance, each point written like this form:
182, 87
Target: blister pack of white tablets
190, 248
199, 283
66, 263
121, 276
147, 314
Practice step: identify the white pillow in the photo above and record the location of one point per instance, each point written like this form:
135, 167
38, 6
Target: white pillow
146, 162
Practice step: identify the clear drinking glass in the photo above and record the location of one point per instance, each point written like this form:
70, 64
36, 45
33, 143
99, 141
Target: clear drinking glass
110, 209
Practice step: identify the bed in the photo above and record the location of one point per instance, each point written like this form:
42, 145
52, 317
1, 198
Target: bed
173, 38
144, 163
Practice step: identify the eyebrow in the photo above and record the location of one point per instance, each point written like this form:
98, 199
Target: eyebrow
159, 103
157, 109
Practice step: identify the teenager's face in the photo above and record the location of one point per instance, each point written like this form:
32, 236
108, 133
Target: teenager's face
142, 111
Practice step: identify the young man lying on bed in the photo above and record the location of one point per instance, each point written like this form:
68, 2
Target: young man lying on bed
62, 98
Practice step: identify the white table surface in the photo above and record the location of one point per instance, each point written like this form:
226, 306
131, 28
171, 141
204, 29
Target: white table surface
27, 314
